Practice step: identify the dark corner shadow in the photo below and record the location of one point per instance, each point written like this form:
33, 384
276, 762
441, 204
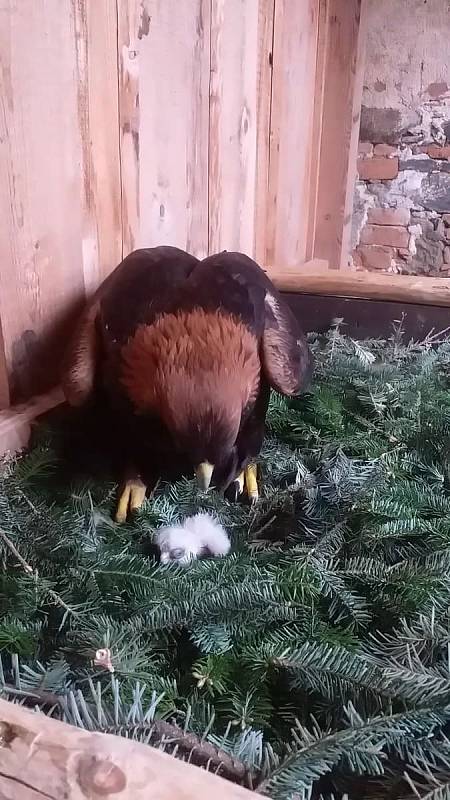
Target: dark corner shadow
82, 445
36, 356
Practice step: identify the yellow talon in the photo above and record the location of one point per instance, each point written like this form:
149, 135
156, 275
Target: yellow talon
251, 483
131, 498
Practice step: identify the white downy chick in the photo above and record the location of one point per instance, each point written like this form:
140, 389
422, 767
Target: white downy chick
196, 536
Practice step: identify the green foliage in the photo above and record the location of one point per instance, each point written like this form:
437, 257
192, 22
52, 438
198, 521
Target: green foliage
317, 654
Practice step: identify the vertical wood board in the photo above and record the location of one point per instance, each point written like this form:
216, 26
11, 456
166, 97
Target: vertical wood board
40, 162
164, 105
343, 79
264, 108
239, 46
130, 32
56, 224
98, 113
4, 380
352, 161
318, 101
291, 145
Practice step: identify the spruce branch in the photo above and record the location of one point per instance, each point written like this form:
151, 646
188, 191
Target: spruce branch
28, 569
31, 697
186, 745
315, 753
337, 588
25, 566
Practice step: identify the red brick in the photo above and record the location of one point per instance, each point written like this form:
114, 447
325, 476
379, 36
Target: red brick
389, 235
356, 258
434, 151
377, 168
389, 216
365, 148
385, 150
375, 256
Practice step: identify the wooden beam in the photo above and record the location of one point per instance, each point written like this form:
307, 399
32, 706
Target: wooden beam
291, 130
241, 38
16, 422
318, 104
339, 80
164, 55
402, 288
42, 757
4, 379
263, 113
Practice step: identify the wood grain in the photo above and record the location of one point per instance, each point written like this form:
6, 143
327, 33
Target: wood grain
344, 283
47, 758
318, 101
16, 422
41, 231
352, 159
343, 79
291, 145
57, 223
240, 49
164, 102
4, 380
129, 29
98, 116
264, 110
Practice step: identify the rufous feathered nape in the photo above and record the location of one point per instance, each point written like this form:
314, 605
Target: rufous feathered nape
197, 371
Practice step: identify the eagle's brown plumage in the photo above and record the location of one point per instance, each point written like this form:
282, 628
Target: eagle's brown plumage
163, 363
185, 352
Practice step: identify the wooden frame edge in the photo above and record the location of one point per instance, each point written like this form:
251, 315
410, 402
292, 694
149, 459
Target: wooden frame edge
16, 422
47, 758
419, 289
338, 102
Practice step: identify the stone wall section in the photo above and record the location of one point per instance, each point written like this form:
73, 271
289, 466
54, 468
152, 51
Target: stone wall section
401, 220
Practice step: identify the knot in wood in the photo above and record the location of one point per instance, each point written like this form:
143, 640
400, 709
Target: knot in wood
7, 734
100, 777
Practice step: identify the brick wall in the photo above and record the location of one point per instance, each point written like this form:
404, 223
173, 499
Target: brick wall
401, 220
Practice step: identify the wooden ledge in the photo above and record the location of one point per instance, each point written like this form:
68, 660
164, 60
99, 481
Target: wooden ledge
44, 758
345, 283
16, 422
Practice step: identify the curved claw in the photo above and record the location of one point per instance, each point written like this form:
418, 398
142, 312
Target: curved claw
235, 489
131, 499
248, 480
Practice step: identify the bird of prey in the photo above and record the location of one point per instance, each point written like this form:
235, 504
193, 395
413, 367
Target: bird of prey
184, 353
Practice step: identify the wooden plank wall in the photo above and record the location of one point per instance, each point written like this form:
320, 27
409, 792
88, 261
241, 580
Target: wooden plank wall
59, 176
241, 40
129, 123
339, 90
164, 52
291, 143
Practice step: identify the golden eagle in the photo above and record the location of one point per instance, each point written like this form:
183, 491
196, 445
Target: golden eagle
184, 352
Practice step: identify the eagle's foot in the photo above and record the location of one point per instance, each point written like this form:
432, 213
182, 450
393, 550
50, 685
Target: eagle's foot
131, 498
246, 480
251, 482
